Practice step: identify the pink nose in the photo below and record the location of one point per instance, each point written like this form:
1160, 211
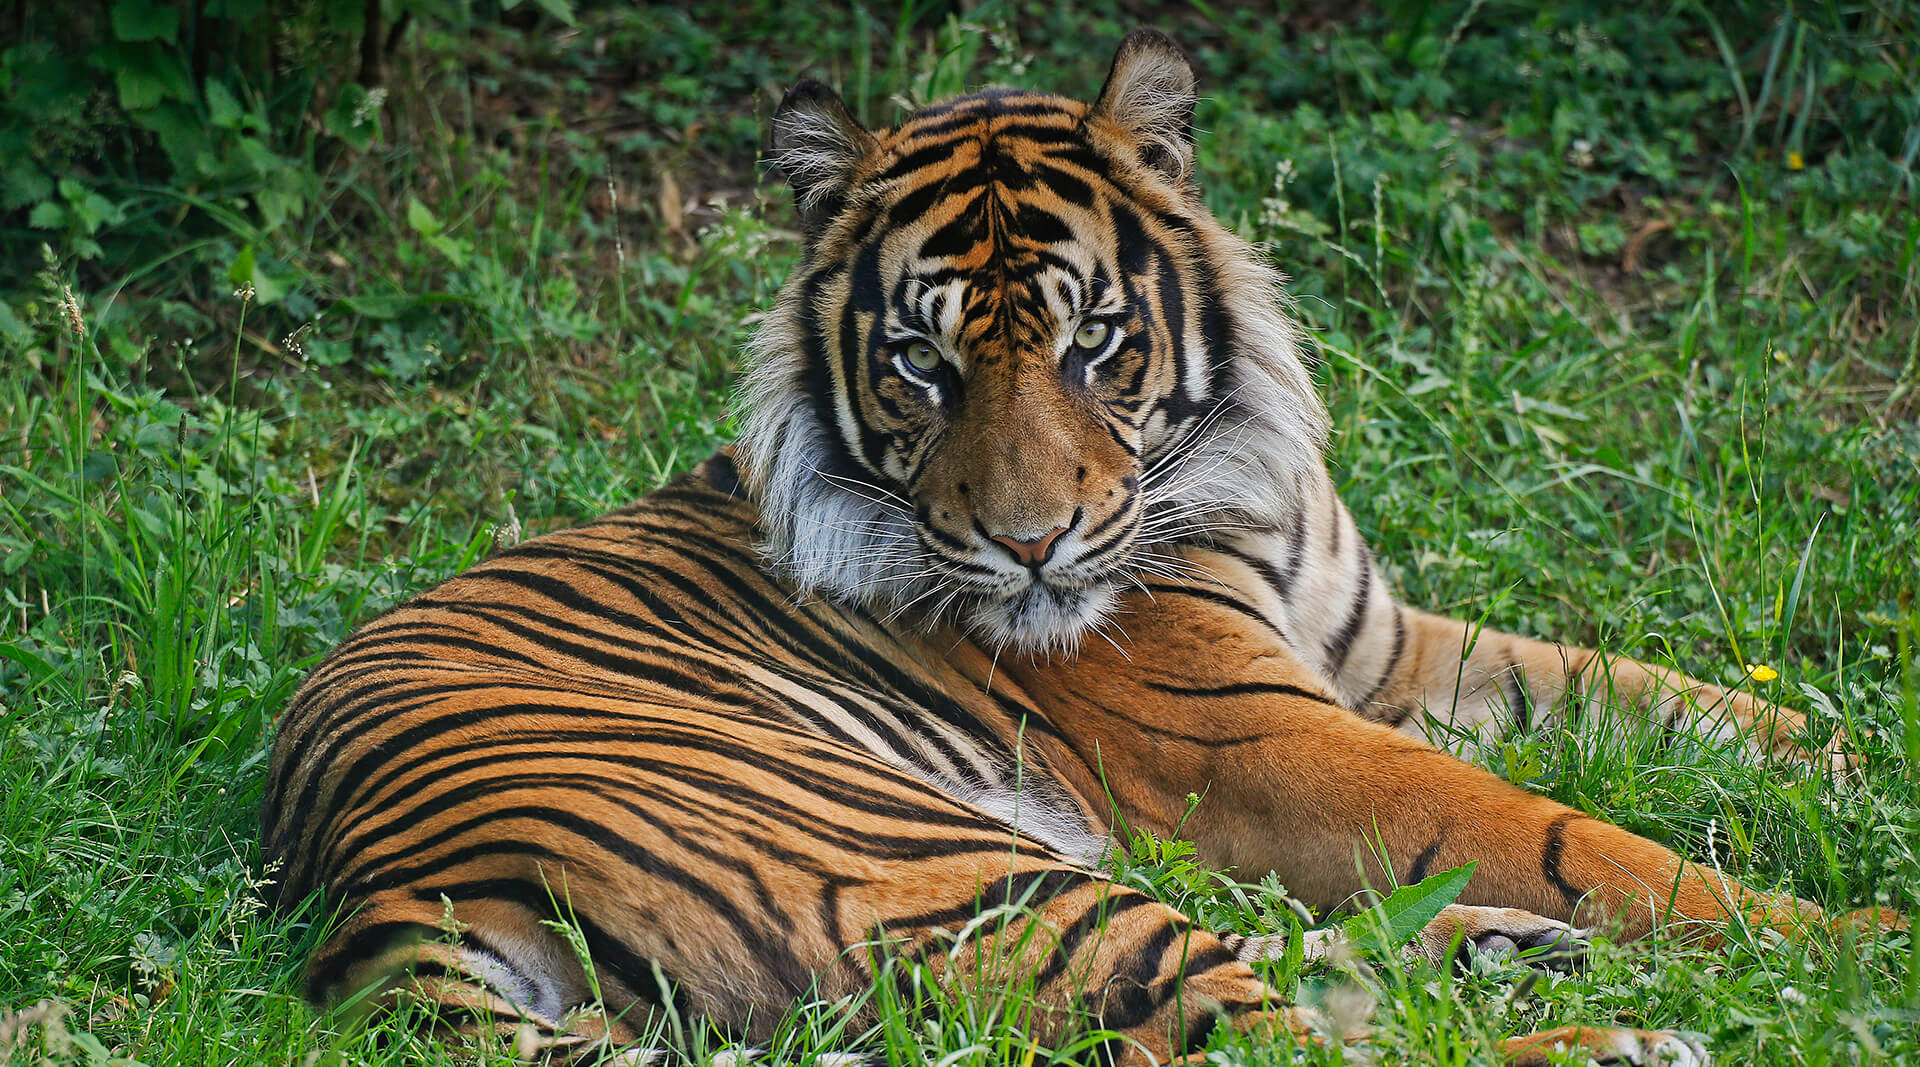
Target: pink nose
1034, 552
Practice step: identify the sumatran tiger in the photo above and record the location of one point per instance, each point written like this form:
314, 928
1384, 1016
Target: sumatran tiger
1027, 536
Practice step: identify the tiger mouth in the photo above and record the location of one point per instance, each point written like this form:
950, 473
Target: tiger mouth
1043, 616
1043, 608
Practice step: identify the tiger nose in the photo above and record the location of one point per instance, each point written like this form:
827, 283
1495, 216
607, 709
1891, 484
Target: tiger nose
1032, 552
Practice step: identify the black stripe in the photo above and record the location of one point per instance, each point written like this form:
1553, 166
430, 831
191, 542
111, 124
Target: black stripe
1119, 513
672, 733
1519, 700
723, 475
1107, 907
844, 663
1425, 859
721, 792
1200, 1028
1296, 552
1393, 663
1216, 597
1232, 689
1030, 890
1551, 854
1139, 996
1342, 643
610, 954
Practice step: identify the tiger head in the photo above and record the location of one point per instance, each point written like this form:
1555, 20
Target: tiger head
1018, 360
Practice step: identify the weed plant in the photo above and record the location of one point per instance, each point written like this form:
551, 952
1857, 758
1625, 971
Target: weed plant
1616, 314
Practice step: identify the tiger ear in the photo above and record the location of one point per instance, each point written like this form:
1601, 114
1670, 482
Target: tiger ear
1150, 94
815, 145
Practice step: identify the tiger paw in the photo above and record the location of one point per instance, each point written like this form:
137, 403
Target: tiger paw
1834, 758
1779, 732
1463, 931
1656, 1048
1870, 921
1301, 1024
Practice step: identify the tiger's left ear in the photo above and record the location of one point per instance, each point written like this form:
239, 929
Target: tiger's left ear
1150, 94
816, 144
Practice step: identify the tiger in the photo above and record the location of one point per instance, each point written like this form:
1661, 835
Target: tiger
1027, 538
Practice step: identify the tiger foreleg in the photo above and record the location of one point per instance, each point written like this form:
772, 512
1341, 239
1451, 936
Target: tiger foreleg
1289, 780
1340, 805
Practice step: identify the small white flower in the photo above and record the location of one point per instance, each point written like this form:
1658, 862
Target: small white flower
369, 107
1793, 996
296, 342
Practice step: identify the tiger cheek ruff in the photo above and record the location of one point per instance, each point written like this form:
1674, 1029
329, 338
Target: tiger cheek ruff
1028, 525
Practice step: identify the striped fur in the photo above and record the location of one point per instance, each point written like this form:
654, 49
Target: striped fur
827, 698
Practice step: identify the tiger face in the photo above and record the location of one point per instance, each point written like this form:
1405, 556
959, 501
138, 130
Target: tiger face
1018, 360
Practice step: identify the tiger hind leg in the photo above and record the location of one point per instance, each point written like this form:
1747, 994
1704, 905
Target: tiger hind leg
401, 956
1135, 977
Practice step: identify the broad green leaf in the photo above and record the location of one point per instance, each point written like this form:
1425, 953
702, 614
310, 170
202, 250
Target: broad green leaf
183, 134
278, 203
247, 269
421, 218
144, 20
36, 666
222, 109
22, 183
97, 464
240, 271
47, 215
139, 89
145, 75
456, 250
377, 305
1410, 908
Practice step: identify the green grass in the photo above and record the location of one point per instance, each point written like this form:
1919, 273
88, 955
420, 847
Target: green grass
1618, 321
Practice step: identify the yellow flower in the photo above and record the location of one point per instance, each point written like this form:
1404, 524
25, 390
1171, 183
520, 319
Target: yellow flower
1794, 162
1760, 672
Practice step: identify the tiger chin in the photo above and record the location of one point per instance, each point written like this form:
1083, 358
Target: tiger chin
781, 726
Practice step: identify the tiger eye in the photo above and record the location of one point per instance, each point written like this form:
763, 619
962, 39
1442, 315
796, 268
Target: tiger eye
922, 356
1091, 334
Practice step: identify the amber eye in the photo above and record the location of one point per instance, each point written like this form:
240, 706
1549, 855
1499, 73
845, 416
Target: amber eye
920, 355
1091, 335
